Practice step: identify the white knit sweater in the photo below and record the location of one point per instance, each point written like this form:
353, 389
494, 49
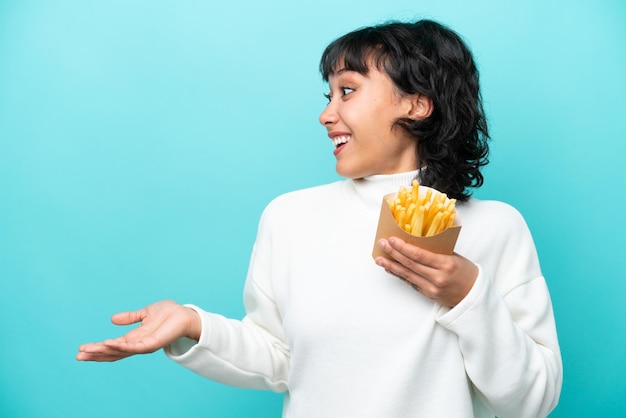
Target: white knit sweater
344, 338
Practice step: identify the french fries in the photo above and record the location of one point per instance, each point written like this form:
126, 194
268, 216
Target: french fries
425, 215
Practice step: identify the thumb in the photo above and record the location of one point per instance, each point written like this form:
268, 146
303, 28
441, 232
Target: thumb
127, 318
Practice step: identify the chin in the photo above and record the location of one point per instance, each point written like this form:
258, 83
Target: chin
350, 174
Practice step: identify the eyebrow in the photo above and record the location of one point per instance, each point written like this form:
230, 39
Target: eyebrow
343, 70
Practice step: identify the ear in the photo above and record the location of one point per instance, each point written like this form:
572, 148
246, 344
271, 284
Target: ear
421, 106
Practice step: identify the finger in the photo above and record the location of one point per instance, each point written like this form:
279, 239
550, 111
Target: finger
143, 345
99, 352
96, 348
100, 357
406, 281
414, 253
403, 273
91, 347
414, 258
127, 318
414, 286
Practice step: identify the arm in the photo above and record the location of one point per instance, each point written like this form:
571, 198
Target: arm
161, 323
509, 346
239, 353
250, 353
503, 319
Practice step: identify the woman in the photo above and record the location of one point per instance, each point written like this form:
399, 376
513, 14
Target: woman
472, 336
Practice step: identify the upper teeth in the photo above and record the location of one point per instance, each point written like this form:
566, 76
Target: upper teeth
341, 139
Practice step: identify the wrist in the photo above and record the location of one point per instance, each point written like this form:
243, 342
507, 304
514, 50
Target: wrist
194, 326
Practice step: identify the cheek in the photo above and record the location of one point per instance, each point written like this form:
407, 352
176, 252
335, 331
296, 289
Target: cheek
350, 115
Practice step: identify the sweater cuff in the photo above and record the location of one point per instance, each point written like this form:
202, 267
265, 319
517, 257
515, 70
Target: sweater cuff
180, 348
447, 316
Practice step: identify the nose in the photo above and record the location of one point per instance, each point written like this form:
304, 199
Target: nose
329, 114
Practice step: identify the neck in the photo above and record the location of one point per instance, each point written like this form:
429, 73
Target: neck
371, 189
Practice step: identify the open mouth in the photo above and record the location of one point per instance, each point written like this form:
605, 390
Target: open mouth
340, 140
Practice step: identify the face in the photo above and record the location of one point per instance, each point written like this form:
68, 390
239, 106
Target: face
360, 120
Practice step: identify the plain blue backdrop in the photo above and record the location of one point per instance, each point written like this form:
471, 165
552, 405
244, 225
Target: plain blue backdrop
140, 141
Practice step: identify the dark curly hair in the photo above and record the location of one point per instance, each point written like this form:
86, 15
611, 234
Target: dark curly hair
428, 58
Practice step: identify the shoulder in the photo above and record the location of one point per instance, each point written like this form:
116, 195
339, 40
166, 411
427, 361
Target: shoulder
494, 225
489, 214
301, 202
495, 235
304, 198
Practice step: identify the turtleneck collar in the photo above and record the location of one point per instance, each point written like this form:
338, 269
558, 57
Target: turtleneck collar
371, 189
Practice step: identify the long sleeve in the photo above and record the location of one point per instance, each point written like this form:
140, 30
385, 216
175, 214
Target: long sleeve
343, 337
506, 331
250, 353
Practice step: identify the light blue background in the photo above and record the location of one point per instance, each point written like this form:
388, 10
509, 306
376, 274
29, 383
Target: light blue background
129, 129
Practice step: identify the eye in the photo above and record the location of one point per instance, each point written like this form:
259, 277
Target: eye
346, 90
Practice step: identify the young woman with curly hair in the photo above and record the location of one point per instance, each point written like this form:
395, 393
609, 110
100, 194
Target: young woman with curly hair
472, 336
